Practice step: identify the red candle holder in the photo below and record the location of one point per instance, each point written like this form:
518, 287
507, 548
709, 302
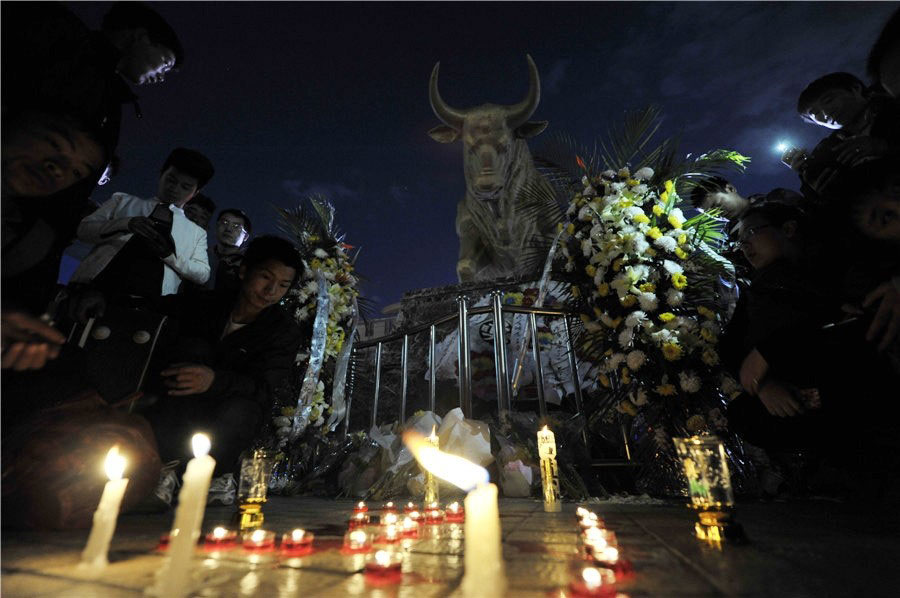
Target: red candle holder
455, 513
434, 517
297, 541
358, 520
164, 541
259, 540
389, 507
357, 541
409, 528
594, 582
220, 539
360, 507
390, 534
384, 568
410, 507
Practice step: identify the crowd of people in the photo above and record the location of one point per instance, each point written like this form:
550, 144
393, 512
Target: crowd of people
813, 338
223, 345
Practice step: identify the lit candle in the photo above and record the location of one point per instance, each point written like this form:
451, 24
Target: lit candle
409, 528
549, 472
484, 568
220, 538
594, 582
298, 539
433, 514
455, 513
391, 534
173, 580
389, 507
94, 556
431, 487
410, 506
259, 539
360, 507
384, 567
357, 541
359, 519
390, 519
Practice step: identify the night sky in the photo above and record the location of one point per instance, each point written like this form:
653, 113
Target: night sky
289, 99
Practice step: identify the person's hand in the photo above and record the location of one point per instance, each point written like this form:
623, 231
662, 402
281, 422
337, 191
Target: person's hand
27, 342
87, 304
794, 157
753, 369
146, 230
887, 317
188, 378
778, 400
856, 150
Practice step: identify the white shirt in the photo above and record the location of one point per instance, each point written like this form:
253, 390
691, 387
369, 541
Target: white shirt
107, 229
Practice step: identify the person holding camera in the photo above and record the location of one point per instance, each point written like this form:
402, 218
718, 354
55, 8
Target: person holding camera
144, 248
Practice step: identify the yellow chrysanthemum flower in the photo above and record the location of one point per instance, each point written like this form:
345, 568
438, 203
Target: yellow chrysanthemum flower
603, 289
651, 252
710, 357
604, 380
682, 239
671, 351
629, 301
570, 228
648, 287
666, 316
559, 227
675, 221
706, 312
670, 186
617, 264
628, 407
679, 281
708, 335
642, 219
590, 270
681, 253
632, 183
658, 209
576, 292
665, 390
654, 233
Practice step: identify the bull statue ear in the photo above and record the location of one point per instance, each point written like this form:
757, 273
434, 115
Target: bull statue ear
444, 134
532, 128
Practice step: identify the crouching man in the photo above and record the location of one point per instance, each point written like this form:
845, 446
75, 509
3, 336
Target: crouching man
233, 350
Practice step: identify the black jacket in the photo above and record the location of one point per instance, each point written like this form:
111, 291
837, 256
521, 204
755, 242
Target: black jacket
251, 362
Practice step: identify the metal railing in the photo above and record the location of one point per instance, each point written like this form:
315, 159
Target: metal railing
501, 366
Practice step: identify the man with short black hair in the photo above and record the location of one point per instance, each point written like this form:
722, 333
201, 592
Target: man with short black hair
234, 349
232, 231
144, 247
200, 210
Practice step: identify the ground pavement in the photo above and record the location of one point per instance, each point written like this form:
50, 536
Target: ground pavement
797, 549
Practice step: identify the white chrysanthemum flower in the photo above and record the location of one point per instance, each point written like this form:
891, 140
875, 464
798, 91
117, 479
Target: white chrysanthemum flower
640, 244
328, 274
666, 243
320, 253
689, 381
672, 267
589, 191
635, 360
635, 318
600, 276
640, 397
676, 214
621, 284
617, 187
674, 297
648, 301
730, 386
644, 174
586, 248
311, 287
633, 211
608, 174
640, 191
625, 337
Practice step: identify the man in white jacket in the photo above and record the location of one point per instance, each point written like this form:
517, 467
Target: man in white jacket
145, 247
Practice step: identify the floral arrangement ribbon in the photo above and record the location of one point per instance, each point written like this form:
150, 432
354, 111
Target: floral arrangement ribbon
316, 357
338, 404
539, 302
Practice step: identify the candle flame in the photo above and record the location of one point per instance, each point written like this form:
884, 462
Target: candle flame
390, 532
389, 518
297, 534
460, 472
360, 504
200, 444
383, 558
545, 429
358, 537
258, 535
592, 578
114, 464
219, 533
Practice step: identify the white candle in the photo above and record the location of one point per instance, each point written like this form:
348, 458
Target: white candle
431, 487
94, 556
549, 472
485, 573
173, 580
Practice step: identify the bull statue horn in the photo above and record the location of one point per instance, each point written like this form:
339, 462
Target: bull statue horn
518, 114
449, 115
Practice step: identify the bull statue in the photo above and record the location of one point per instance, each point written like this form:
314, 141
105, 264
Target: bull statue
492, 228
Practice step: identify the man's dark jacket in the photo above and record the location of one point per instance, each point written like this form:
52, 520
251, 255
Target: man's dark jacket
251, 362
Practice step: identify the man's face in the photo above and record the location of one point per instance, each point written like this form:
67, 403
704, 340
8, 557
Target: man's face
145, 62
727, 200
198, 215
43, 154
878, 217
267, 283
176, 187
762, 243
836, 108
230, 230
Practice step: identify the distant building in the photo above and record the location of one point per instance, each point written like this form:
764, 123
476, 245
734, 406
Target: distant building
378, 327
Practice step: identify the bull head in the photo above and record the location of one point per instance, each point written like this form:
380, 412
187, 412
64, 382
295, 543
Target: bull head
490, 133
